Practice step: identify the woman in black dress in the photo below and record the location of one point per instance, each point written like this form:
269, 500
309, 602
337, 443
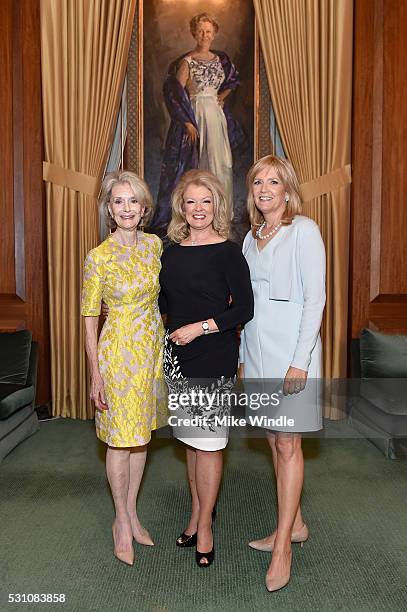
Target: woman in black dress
205, 293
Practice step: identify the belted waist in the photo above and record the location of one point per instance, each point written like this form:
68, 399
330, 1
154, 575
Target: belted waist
207, 92
133, 309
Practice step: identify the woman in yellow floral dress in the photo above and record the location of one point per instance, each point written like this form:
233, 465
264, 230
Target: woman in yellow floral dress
127, 382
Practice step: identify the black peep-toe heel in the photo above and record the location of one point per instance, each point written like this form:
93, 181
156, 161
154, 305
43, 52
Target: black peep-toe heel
209, 556
186, 541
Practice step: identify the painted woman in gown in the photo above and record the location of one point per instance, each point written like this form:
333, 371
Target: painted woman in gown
202, 133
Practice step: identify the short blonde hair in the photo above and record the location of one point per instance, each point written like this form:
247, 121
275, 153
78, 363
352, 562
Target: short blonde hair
178, 229
286, 174
138, 187
195, 21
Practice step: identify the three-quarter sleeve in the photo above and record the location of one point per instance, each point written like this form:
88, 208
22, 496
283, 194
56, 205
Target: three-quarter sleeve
237, 277
92, 288
311, 254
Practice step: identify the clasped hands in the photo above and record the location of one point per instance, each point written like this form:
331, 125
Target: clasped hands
185, 334
182, 335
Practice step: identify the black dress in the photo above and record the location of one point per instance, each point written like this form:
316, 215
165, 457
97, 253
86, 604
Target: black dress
199, 283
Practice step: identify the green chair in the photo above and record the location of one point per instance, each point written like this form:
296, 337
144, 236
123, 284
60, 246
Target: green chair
18, 380
378, 399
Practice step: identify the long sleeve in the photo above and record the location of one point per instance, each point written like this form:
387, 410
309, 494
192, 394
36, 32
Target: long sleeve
311, 254
162, 303
92, 288
242, 338
238, 279
241, 347
162, 298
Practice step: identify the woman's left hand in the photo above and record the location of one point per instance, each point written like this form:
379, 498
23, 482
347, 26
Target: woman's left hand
221, 100
295, 380
187, 333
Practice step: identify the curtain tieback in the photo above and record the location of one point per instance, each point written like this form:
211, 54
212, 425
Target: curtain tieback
332, 181
90, 185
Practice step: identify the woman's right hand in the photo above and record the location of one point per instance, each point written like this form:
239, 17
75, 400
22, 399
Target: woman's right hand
192, 132
97, 392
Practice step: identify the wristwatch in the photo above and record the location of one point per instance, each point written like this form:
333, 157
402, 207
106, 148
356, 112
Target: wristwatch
205, 327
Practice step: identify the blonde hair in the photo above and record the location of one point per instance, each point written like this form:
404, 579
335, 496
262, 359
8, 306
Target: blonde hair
138, 187
178, 229
286, 174
195, 21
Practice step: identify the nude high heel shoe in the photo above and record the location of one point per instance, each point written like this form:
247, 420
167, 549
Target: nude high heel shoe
275, 583
141, 536
125, 556
298, 537
140, 533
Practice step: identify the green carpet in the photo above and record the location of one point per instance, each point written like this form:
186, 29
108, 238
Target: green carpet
56, 515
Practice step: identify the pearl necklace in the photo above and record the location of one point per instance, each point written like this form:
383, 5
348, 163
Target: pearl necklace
271, 232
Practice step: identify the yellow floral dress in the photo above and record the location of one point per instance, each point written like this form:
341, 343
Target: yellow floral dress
130, 348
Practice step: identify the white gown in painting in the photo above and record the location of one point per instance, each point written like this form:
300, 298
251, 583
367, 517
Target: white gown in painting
288, 280
215, 155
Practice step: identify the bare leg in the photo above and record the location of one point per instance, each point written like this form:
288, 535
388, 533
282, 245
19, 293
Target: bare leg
138, 457
191, 467
298, 522
290, 476
209, 466
118, 475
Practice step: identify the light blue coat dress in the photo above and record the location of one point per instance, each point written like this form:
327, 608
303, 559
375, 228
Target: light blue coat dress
288, 280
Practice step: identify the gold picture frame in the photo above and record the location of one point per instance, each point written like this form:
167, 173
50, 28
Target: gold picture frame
138, 145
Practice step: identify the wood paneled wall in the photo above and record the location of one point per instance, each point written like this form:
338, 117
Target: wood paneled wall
23, 277
378, 274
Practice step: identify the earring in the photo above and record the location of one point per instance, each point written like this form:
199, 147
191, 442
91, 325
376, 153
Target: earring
287, 197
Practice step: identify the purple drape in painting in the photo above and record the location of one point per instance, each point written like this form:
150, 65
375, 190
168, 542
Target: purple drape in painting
180, 154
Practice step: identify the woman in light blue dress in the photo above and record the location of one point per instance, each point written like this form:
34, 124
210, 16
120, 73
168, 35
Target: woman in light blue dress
281, 348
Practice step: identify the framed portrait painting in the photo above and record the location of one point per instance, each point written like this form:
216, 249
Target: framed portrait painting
159, 106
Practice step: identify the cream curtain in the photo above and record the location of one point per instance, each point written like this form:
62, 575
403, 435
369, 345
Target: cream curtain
307, 48
84, 45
